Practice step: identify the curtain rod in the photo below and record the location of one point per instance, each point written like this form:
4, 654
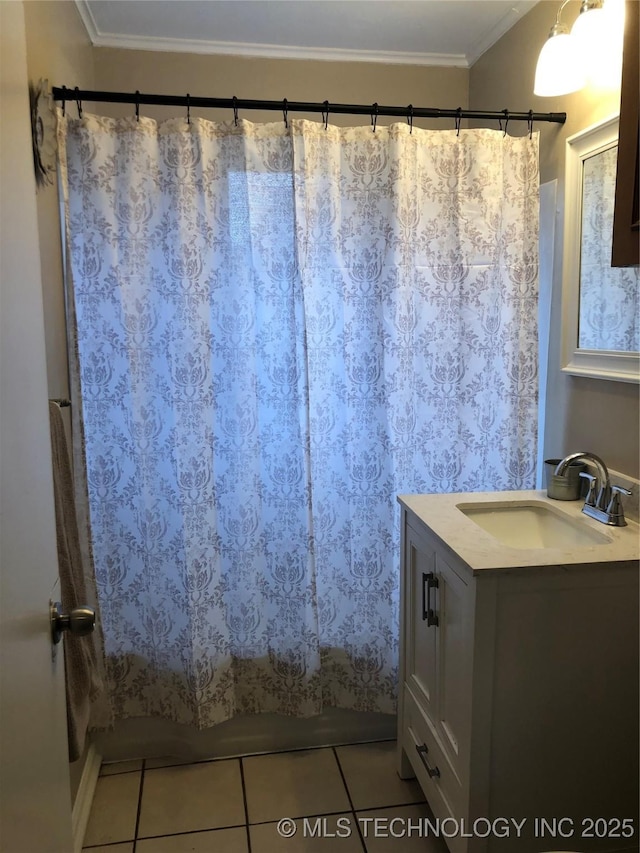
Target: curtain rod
138, 98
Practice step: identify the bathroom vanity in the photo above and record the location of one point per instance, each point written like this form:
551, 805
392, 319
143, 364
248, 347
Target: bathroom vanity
518, 696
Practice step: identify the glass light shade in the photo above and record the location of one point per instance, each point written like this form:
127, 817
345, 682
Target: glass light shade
560, 68
600, 33
587, 30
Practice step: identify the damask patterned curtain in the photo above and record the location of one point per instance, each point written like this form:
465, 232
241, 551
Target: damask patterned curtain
274, 331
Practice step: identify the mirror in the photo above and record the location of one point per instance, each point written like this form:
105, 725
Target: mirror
601, 314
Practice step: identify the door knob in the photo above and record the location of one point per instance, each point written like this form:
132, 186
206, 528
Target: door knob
81, 621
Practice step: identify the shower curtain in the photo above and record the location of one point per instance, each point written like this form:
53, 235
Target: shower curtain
273, 332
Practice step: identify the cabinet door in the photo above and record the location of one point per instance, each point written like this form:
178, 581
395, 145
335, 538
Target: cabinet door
625, 250
420, 627
454, 662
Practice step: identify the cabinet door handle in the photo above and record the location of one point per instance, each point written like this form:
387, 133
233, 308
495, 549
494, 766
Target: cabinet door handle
422, 752
429, 582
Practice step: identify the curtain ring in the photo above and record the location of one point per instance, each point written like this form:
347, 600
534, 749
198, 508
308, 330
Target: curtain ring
530, 123
374, 117
458, 120
64, 101
78, 103
410, 117
235, 110
325, 114
188, 109
137, 105
285, 113
506, 122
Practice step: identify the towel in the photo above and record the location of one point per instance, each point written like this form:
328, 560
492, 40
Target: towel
82, 679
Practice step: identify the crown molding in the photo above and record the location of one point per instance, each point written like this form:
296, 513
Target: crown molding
274, 51
271, 51
489, 38
517, 9
84, 10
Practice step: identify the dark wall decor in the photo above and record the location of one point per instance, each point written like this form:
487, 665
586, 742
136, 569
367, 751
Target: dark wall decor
43, 132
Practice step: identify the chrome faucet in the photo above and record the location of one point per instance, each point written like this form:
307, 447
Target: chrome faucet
603, 500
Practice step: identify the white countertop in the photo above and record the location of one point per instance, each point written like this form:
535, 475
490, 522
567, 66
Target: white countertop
482, 551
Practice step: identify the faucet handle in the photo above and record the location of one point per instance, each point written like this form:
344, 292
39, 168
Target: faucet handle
615, 507
590, 500
620, 490
616, 491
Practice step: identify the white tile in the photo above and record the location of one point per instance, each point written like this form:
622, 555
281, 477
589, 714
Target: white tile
190, 797
406, 833
313, 835
370, 773
216, 841
114, 809
293, 784
114, 767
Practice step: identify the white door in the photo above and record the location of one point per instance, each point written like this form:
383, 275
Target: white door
35, 803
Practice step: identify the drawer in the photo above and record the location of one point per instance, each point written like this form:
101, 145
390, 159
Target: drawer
441, 786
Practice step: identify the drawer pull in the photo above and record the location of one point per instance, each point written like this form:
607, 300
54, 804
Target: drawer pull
429, 582
422, 752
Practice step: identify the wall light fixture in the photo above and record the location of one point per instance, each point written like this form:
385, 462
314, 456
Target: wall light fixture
590, 53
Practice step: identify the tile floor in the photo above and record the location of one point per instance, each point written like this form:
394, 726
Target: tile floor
349, 796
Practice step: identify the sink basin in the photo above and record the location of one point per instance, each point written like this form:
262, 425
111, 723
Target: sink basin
532, 525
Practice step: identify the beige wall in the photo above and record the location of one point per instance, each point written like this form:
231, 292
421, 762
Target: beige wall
59, 50
582, 414
274, 79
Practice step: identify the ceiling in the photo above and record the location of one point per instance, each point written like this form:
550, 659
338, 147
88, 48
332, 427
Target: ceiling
416, 32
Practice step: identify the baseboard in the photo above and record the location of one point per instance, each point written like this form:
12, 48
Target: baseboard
84, 797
